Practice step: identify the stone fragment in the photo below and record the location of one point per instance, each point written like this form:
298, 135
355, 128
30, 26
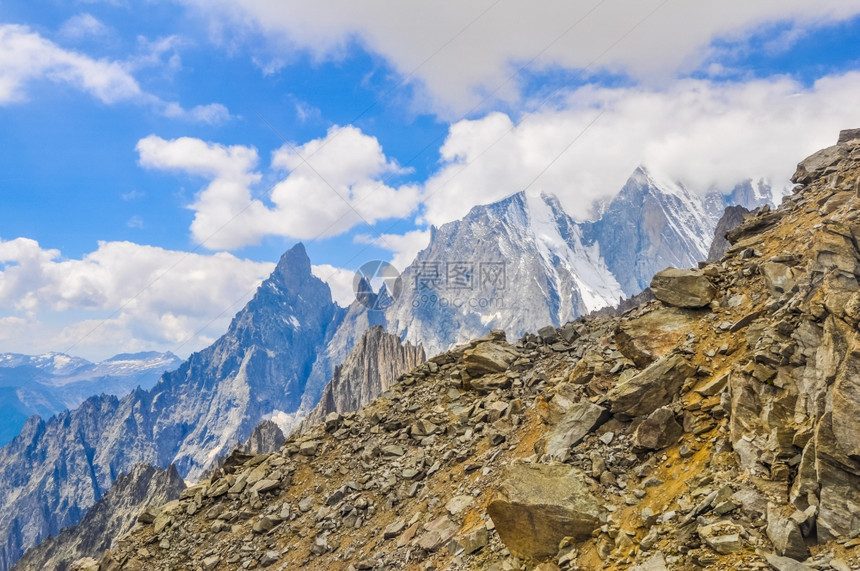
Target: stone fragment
265, 485
332, 421
211, 562
149, 514
785, 534
713, 386
269, 558
656, 562
658, 430
814, 165
722, 537
438, 533
537, 505
458, 503
394, 529
784, 563
308, 448
548, 334
779, 278
654, 387
489, 357
490, 383
475, 540
580, 419
683, 288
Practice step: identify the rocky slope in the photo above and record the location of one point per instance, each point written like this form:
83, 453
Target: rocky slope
54, 470
50, 383
370, 369
110, 517
715, 427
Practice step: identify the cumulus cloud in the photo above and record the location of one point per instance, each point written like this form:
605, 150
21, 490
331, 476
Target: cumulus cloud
339, 280
328, 186
404, 247
708, 135
459, 52
121, 297
26, 58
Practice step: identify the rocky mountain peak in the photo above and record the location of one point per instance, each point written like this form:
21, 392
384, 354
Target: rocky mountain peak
714, 427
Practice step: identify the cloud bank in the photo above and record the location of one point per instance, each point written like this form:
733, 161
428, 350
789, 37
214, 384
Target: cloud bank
121, 297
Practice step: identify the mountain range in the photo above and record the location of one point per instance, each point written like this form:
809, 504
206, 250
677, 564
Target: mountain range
50, 383
519, 264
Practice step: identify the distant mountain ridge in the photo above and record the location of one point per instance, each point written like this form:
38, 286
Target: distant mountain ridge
50, 383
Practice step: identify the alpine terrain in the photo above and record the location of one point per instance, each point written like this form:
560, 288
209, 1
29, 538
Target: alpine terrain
713, 427
518, 265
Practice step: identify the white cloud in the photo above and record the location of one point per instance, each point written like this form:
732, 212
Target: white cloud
343, 186
470, 57
26, 58
339, 280
121, 297
212, 114
83, 26
404, 247
702, 133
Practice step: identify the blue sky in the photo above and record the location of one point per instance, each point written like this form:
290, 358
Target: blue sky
159, 156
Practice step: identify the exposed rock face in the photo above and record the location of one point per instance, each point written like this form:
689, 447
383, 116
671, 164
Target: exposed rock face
370, 369
541, 504
110, 517
683, 288
760, 383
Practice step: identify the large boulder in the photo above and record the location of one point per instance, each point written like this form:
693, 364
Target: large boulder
489, 357
683, 288
654, 387
538, 505
645, 339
